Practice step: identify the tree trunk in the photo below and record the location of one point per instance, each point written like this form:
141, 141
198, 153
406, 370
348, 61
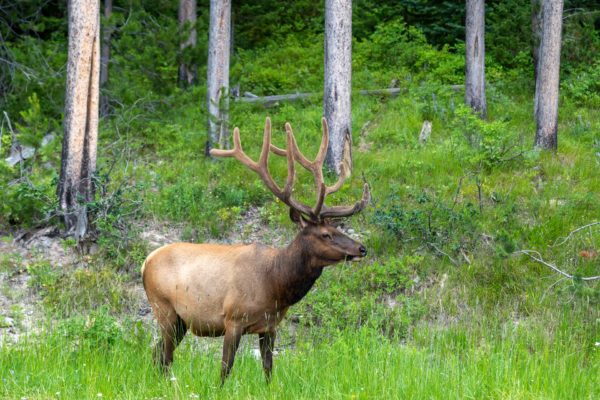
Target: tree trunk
536, 34
75, 186
105, 57
187, 31
218, 74
547, 83
338, 80
475, 57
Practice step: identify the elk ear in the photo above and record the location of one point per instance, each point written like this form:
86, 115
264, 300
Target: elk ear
297, 218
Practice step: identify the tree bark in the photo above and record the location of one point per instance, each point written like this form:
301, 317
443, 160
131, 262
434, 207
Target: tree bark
218, 74
338, 80
105, 57
187, 30
475, 57
547, 82
536, 34
75, 185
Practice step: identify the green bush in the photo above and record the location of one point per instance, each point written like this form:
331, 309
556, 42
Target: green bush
583, 86
25, 202
83, 289
401, 53
28, 187
374, 295
291, 66
428, 221
98, 329
492, 142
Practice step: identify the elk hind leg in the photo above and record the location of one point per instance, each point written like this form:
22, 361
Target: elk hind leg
172, 329
231, 341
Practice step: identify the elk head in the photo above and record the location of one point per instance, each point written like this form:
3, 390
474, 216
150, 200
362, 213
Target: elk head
328, 244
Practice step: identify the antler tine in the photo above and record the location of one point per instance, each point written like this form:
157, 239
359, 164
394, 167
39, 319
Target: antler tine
314, 167
266, 146
236, 152
345, 168
324, 144
263, 165
289, 184
305, 162
346, 211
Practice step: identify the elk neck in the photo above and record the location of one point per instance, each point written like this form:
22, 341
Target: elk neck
294, 272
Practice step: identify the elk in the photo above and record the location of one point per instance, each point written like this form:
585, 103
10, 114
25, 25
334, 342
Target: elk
232, 290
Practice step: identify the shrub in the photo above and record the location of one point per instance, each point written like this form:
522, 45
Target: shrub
98, 329
83, 290
375, 295
294, 65
429, 222
399, 52
583, 86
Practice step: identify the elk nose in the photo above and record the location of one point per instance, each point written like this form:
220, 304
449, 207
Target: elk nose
363, 250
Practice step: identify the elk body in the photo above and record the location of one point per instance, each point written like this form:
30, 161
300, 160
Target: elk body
232, 290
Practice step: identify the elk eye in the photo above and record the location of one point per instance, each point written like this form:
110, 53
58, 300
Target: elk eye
326, 236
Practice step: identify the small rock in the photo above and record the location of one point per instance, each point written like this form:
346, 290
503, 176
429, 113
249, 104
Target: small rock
425, 132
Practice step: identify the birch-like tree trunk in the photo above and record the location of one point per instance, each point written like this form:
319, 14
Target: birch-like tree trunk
547, 82
338, 81
187, 30
75, 185
218, 74
475, 56
105, 56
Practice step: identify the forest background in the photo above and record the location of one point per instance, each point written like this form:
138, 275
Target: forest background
447, 305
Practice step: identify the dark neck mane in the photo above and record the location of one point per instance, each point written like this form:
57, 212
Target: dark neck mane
294, 273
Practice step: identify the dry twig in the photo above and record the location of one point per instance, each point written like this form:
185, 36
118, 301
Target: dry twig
535, 255
436, 248
570, 235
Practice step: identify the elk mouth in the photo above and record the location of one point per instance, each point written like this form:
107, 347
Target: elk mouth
356, 257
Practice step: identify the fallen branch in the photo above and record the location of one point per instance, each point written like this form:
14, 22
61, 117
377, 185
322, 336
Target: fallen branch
570, 235
443, 253
462, 251
535, 255
278, 97
252, 98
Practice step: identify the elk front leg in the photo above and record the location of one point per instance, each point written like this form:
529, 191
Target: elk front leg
266, 342
230, 346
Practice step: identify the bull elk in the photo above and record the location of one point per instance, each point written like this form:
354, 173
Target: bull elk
232, 290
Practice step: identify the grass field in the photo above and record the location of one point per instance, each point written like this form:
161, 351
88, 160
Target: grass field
508, 362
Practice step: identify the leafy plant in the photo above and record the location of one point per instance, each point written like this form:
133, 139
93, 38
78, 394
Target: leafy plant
429, 222
99, 329
492, 142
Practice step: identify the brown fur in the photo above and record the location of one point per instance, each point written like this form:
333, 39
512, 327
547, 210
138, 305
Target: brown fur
231, 290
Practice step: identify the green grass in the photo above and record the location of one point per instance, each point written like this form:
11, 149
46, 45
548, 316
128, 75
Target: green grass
510, 362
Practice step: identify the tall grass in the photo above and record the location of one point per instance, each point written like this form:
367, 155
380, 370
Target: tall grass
450, 363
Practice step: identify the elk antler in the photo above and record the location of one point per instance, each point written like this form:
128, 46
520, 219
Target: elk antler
292, 153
